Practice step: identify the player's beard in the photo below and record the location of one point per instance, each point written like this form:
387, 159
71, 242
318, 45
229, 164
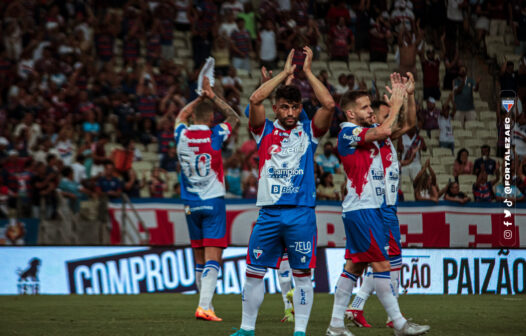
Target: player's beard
288, 122
365, 122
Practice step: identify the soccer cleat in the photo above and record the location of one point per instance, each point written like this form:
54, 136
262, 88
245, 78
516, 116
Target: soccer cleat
411, 329
289, 315
389, 324
207, 315
332, 331
290, 297
356, 317
243, 332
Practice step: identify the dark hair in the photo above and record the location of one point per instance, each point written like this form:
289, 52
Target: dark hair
50, 157
460, 153
323, 177
449, 186
239, 20
290, 93
375, 105
351, 97
485, 147
81, 158
66, 171
328, 143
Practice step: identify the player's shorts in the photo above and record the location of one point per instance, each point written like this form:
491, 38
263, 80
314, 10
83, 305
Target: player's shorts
367, 235
206, 222
389, 214
284, 227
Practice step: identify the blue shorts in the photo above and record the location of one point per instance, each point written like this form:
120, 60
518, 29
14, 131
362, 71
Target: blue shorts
367, 235
390, 217
207, 222
284, 227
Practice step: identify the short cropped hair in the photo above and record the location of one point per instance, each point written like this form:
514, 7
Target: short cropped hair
351, 97
290, 93
203, 110
376, 104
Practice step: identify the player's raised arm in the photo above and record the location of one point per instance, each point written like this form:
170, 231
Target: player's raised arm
257, 111
407, 118
323, 117
387, 128
186, 112
228, 112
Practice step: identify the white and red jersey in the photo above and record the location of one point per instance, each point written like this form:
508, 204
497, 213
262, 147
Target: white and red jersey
199, 153
391, 171
362, 164
286, 163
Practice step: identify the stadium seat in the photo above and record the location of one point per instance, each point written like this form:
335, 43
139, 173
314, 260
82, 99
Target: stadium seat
467, 179
338, 66
480, 105
439, 152
474, 124
433, 142
153, 147
357, 65
151, 157
456, 124
142, 165
435, 134
473, 143
463, 133
373, 66
486, 116
443, 180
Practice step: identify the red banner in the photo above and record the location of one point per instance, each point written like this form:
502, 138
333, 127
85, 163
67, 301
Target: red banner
439, 226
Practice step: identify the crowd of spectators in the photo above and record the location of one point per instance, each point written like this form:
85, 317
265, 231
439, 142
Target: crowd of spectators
77, 76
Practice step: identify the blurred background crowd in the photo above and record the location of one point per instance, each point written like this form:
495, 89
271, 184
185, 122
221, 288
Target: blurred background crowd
89, 91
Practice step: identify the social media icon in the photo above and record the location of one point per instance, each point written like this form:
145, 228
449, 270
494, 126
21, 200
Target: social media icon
508, 234
507, 214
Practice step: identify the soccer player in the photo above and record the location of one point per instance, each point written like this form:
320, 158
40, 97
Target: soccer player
203, 188
286, 192
367, 232
406, 121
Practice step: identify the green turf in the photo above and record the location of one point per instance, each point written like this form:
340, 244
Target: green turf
172, 314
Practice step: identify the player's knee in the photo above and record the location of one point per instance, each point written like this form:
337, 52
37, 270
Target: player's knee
256, 272
381, 266
354, 268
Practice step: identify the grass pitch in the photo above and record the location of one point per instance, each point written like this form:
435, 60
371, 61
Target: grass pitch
172, 314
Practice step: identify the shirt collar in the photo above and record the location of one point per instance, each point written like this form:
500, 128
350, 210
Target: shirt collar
199, 127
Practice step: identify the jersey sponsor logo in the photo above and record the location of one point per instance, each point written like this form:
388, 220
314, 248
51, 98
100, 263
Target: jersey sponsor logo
303, 247
303, 259
225, 127
257, 253
352, 138
393, 176
389, 157
282, 134
203, 140
274, 149
274, 172
377, 175
276, 189
379, 191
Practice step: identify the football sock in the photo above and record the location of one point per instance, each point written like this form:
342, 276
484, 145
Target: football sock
252, 296
396, 264
365, 291
208, 283
385, 293
285, 281
198, 272
342, 295
303, 298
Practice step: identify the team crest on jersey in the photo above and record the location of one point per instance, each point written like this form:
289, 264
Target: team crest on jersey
257, 253
357, 131
303, 259
224, 126
187, 210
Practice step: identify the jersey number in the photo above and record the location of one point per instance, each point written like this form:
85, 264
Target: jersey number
200, 165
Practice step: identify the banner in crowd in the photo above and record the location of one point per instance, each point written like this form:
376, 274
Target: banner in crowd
430, 226
19, 231
135, 270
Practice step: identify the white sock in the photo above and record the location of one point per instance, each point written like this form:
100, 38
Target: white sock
208, 284
365, 290
342, 295
285, 281
303, 298
198, 273
252, 296
385, 293
396, 264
